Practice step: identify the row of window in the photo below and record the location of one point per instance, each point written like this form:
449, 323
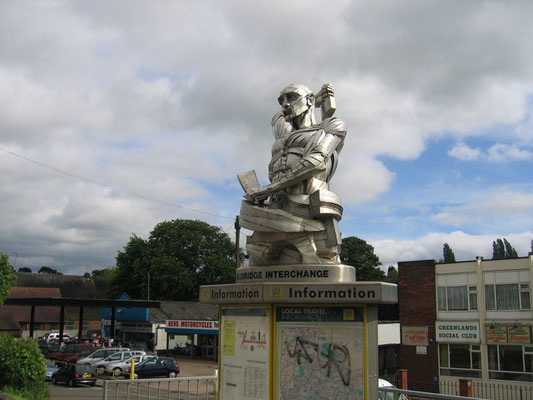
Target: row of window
503, 297
509, 362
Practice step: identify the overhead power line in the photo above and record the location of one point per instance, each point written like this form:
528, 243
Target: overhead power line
118, 188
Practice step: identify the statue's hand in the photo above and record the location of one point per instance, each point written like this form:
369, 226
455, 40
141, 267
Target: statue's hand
325, 91
256, 195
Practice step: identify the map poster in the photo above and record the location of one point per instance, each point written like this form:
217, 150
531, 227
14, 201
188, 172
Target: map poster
244, 357
321, 353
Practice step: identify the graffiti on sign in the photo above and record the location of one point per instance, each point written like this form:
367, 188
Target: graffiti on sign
334, 356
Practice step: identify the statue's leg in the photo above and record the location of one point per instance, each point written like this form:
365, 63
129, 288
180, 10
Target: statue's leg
329, 241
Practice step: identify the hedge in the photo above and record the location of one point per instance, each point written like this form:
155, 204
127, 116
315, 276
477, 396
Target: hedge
22, 367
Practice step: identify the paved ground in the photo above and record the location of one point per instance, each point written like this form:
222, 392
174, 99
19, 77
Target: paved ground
188, 368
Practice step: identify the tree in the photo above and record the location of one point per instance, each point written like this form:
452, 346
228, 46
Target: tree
25, 269
48, 270
531, 252
392, 274
360, 254
178, 257
447, 254
108, 274
510, 252
502, 249
7, 277
498, 250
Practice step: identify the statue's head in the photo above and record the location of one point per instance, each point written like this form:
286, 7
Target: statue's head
295, 100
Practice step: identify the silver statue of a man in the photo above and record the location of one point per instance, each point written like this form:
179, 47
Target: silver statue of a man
295, 217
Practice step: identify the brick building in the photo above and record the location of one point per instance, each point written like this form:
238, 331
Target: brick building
468, 319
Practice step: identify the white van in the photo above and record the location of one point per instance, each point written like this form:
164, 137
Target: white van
54, 337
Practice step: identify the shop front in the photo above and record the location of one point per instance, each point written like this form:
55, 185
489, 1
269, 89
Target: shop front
193, 338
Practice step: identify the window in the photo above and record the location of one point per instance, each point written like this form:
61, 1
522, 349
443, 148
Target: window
457, 298
460, 360
472, 297
525, 303
509, 296
510, 362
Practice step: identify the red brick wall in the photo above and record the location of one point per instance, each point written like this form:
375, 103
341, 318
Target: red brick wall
417, 303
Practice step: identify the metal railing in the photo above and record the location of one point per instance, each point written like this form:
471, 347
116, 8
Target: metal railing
186, 388
496, 390
413, 394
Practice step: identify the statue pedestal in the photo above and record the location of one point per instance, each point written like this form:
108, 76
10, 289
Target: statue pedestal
298, 338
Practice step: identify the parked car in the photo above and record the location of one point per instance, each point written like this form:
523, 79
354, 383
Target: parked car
51, 369
47, 348
99, 355
102, 365
54, 337
69, 351
74, 374
388, 395
73, 358
129, 345
161, 366
119, 367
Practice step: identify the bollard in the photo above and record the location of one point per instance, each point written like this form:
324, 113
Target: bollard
132, 370
466, 388
402, 379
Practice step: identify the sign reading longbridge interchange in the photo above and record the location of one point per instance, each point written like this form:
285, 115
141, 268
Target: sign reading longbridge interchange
281, 292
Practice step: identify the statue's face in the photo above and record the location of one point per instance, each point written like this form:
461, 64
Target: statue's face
295, 102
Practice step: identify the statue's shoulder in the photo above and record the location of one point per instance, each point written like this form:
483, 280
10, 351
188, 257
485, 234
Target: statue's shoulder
334, 125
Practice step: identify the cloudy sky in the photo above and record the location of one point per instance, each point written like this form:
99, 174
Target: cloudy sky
117, 115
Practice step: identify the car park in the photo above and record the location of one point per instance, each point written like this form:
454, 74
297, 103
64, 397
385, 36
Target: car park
102, 365
157, 366
75, 374
51, 369
118, 368
99, 355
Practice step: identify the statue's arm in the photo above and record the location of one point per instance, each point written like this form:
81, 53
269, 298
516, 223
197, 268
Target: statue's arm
313, 163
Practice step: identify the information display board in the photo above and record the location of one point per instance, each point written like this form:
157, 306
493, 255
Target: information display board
321, 352
244, 353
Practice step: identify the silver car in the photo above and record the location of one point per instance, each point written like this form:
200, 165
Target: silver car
102, 365
118, 368
99, 355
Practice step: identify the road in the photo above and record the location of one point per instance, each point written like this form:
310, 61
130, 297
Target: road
82, 392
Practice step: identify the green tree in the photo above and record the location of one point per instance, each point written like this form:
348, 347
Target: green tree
48, 270
502, 249
392, 274
178, 257
360, 254
447, 254
7, 277
25, 269
108, 274
510, 252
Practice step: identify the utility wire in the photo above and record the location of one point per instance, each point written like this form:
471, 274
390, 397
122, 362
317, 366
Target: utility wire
108, 185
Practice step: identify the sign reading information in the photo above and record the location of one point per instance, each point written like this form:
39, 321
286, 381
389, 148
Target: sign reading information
457, 332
